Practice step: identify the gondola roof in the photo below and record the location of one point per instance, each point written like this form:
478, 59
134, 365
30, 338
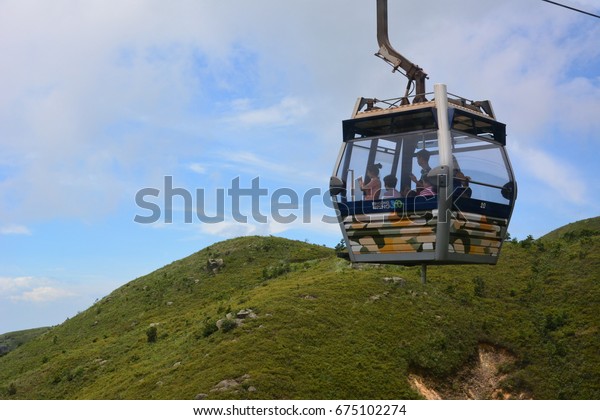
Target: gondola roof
421, 116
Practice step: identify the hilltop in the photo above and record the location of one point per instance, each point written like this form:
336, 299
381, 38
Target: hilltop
589, 227
268, 318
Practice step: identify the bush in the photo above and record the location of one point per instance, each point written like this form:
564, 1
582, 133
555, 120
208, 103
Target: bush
276, 271
527, 242
228, 325
555, 321
209, 328
152, 334
583, 233
341, 246
479, 286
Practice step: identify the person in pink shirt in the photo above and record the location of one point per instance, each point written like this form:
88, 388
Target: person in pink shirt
428, 189
371, 189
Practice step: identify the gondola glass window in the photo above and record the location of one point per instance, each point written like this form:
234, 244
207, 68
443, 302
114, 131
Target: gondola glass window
395, 153
483, 164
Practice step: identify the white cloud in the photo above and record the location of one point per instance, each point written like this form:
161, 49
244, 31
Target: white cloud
42, 294
554, 174
288, 111
253, 162
32, 289
285, 171
14, 230
10, 284
228, 229
76, 130
198, 168
81, 134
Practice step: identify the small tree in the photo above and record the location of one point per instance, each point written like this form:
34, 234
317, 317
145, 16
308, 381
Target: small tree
341, 246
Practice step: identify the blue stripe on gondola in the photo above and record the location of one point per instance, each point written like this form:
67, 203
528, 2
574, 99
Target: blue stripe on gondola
418, 204
399, 205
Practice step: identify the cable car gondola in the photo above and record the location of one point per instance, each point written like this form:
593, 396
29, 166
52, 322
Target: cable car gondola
459, 208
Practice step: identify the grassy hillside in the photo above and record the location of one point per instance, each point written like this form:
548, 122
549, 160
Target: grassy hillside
589, 227
12, 340
316, 327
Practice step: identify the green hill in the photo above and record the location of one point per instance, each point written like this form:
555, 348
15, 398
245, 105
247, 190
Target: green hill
270, 318
12, 340
589, 227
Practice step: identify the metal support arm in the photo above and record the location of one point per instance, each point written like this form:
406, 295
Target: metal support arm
414, 73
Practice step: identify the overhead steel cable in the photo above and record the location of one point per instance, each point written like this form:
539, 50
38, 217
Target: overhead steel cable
572, 8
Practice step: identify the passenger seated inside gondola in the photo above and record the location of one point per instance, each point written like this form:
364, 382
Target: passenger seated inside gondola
429, 189
372, 188
461, 181
389, 191
407, 192
461, 185
423, 161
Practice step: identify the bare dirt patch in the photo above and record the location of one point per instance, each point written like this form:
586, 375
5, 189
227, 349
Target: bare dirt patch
418, 384
479, 380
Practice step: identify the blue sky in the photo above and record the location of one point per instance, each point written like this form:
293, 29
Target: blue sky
103, 99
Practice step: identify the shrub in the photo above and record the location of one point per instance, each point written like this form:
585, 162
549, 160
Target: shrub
228, 325
209, 328
479, 284
276, 271
555, 321
152, 334
527, 242
341, 246
583, 233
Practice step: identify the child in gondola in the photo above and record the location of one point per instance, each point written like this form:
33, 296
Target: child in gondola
372, 188
389, 182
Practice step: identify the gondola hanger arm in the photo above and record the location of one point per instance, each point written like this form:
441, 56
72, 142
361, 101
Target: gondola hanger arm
414, 73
